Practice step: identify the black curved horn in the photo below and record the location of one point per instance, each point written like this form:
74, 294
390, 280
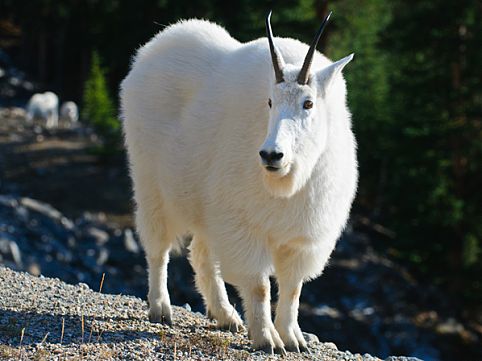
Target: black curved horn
303, 76
275, 56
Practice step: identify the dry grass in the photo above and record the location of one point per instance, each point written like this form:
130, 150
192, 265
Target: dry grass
104, 353
210, 343
93, 320
41, 355
9, 352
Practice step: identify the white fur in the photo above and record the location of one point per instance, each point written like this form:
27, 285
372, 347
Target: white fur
44, 106
195, 108
69, 112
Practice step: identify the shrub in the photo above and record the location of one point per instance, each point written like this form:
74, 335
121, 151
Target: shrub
98, 107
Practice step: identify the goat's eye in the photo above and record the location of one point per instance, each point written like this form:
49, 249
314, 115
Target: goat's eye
269, 103
308, 104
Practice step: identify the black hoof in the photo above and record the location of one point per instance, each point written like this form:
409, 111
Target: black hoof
232, 328
266, 348
272, 350
304, 349
210, 316
162, 319
292, 348
280, 351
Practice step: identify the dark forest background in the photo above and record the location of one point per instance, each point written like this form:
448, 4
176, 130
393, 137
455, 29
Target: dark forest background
414, 90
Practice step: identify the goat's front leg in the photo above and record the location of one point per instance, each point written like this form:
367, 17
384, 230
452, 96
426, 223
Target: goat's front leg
256, 298
287, 315
288, 264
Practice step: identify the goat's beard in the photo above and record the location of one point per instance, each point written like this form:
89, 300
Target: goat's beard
287, 185
281, 185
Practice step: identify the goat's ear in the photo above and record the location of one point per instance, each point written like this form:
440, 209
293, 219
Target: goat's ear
325, 76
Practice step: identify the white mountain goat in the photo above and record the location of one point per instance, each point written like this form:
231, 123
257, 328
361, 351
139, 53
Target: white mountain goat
69, 112
44, 106
258, 165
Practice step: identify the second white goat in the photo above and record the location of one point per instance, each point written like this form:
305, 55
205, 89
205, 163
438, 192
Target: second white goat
44, 106
69, 112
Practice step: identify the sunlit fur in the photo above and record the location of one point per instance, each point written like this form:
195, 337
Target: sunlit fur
195, 112
44, 106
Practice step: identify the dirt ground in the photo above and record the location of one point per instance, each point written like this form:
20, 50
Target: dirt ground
61, 167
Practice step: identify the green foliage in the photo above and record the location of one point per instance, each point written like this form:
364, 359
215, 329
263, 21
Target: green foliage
98, 108
417, 108
436, 107
357, 27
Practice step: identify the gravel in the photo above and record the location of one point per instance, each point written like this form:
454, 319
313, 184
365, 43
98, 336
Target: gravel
46, 319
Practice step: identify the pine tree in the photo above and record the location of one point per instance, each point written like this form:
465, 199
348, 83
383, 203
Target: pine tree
98, 107
435, 171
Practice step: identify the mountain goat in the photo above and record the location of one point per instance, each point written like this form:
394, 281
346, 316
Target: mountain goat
44, 106
247, 147
69, 112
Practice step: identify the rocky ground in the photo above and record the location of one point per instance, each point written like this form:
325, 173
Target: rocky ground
62, 167
46, 319
66, 213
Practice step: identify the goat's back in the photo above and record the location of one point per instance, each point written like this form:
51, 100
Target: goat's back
159, 97
173, 66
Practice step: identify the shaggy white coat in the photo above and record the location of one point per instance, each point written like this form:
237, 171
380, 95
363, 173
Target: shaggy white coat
44, 106
196, 114
69, 112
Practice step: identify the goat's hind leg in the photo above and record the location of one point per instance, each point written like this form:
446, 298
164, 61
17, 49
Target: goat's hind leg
211, 286
156, 241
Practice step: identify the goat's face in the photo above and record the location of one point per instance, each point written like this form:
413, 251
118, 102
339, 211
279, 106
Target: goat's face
296, 133
298, 124
297, 128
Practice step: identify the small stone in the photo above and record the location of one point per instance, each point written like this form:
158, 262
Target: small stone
310, 337
83, 286
42, 208
103, 256
99, 236
330, 345
34, 269
129, 241
16, 255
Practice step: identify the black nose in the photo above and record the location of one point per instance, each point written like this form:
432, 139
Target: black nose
271, 156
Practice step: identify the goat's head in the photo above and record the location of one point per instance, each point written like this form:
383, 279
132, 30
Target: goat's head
298, 119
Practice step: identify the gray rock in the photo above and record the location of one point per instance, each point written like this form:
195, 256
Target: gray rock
99, 236
130, 242
42, 208
310, 337
16, 254
9, 249
103, 256
22, 213
8, 201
